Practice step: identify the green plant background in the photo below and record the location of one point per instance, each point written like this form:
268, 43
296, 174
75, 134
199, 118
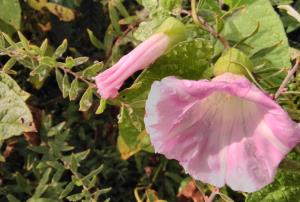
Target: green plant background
61, 142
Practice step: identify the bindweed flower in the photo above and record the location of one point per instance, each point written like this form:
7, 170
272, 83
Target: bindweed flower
223, 131
169, 33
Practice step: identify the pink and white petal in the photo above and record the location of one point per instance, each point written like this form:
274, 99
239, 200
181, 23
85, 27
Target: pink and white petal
223, 131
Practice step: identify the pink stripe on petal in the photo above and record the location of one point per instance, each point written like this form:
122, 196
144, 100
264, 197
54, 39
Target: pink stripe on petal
224, 131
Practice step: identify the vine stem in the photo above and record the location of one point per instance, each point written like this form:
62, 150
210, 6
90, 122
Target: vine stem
287, 79
90, 84
204, 25
212, 196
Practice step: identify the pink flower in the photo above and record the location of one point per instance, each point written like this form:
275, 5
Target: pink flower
224, 131
109, 81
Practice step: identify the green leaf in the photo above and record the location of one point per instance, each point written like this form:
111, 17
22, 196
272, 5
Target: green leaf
11, 12
74, 90
48, 61
270, 34
67, 190
114, 17
11, 198
74, 164
80, 60
59, 79
75, 197
42, 187
86, 100
193, 61
8, 65
61, 49
15, 116
44, 47
93, 173
66, 86
70, 62
101, 107
92, 70
24, 41
96, 42
39, 74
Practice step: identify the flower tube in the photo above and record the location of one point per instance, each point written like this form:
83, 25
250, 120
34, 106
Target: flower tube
169, 33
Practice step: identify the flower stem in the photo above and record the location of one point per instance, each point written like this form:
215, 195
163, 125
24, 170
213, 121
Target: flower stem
212, 196
287, 79
204, 25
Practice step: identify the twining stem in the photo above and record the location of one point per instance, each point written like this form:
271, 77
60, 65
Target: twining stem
204, 25
287, 79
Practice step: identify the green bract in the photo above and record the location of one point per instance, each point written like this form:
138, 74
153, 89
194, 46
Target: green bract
175, 29
233, 61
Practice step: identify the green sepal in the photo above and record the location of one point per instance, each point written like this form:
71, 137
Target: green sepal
233, 61
175, 29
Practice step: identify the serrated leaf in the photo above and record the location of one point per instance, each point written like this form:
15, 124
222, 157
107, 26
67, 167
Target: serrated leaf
74, 90
86, 100
193, 61
61, 49
96, 42
66, 86
15, 116
11, 12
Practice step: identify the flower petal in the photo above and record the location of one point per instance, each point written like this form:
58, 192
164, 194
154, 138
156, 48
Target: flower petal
224, 131
109, 81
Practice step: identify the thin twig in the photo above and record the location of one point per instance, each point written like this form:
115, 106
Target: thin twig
120, 38
212, 196
287, 79
77, 76
204, 25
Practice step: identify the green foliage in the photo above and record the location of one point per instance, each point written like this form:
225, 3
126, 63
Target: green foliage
15, 116
268, 47
11, 15
79, 151
56, 169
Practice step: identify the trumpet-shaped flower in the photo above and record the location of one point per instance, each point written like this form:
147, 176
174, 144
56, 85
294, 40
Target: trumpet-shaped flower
109, 82
223, 131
